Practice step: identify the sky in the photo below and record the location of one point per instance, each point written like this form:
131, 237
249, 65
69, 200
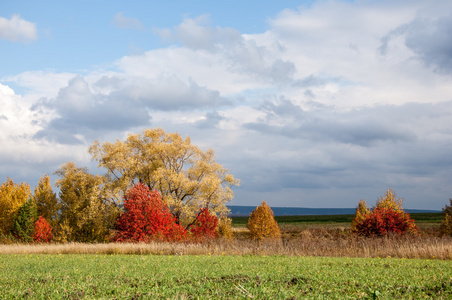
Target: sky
309, 103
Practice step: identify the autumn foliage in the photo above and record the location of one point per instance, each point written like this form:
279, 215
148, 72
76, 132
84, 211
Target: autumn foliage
205, 225
146, 217
262, 223
43, 231
386, 217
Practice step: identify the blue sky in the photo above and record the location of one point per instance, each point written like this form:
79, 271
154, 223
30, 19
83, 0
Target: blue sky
309, 103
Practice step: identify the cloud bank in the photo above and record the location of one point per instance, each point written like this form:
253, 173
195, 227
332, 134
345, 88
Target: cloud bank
333, 103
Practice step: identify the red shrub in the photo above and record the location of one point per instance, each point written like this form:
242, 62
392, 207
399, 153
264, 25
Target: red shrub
380, 221
43, 231
146, 217
205, 225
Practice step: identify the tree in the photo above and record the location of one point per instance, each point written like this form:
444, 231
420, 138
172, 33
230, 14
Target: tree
85, 215
187, 178
361, 212
224, 227
390, 201
42, 231
262, 223
24, 221
46, 201
146, 217
205, 225
446, 224
12, 196
387, 216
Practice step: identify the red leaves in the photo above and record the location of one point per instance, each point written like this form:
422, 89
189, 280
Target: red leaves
381, 221
43, 231
146, 217
205, 225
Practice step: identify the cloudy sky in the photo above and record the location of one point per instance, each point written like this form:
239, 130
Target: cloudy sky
309, 103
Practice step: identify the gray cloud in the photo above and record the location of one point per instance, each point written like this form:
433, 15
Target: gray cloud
430, 39
211, 120
3, 117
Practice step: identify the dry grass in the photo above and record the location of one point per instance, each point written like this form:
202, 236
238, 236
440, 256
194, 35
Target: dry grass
333, 242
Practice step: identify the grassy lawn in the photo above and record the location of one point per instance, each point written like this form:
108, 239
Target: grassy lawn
224, 277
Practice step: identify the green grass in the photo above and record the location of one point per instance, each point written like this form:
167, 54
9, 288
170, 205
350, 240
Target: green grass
220, 277
334, 219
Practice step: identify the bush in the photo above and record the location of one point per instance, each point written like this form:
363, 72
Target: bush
146, 217
382, 220
205, 225
387, 216
43, 231
446, 224
224, 228
262, 223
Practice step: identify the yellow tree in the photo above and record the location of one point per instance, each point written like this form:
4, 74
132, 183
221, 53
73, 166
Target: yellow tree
46, 201
262, 223
390, 201
187, 177
85, 215
361, 212
12, 196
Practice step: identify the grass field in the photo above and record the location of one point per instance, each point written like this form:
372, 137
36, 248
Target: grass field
344, 220
220, 277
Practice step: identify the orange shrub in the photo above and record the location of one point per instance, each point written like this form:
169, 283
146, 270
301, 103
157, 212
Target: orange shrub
262, 224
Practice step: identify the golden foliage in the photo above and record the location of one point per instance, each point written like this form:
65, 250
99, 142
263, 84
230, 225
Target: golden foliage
224, 228
46, 201
361, 211
85, 216
262, 224
389, 201
187, 177
12, 196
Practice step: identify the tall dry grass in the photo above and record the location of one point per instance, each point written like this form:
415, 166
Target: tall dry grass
335, 242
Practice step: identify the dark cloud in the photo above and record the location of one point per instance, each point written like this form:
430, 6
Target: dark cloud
122, 105
211, 120
430, 39
360, 127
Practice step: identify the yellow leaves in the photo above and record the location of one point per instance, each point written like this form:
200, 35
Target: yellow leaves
361, 211
186, 177
389, 201
12, 196
262, 224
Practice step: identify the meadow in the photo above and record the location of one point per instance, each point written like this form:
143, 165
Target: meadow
317, 257
34, 276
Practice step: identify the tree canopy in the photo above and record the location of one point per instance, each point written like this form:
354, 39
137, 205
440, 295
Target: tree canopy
187, 177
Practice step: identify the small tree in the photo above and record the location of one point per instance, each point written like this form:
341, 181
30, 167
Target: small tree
262, 223
446, 224
146, 217
387, 216
361, 212
224, 228
46, 201
12, 197
43, 231
205, 225
24, 222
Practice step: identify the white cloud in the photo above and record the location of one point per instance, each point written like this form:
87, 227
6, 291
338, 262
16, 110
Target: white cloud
335, 102
17, 29
124, 22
